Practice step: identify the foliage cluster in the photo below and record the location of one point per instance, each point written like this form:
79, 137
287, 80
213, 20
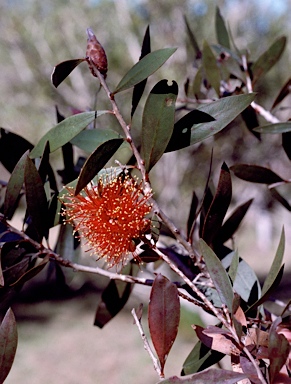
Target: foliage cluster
209, 273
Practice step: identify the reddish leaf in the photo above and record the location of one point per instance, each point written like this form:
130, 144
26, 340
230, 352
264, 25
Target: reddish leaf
276, 195
163, 316
8, 344
286, 89
255, 174
218, 207
217, 376
278, 350
217, 339
63, 69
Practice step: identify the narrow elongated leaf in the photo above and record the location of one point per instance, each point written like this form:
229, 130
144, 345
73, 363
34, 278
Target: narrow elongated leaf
233, 268
114, 297
200, 358
274, 128
14, 186
37, 205
218, 275
276, 195
193, 40
12, 147
31, 272
219, 206
276, 265
246, 283
8, 344
158, 122
255, 174
232, 223
139, 88
270, 57
63, 69
221, 31
211, 375
144, 68
223, 111
197, 82
250, 118
192, 213
65, 131
278, 350
210, 67
286, 89
89, 139
163, 316
181, 135
96, 162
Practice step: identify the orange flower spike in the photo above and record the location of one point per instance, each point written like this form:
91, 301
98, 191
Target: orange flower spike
110, 216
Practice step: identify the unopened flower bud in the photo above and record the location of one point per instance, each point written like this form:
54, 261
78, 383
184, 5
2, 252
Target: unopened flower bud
95, 54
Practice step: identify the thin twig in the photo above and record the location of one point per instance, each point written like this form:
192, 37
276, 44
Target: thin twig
147, 346
258, 108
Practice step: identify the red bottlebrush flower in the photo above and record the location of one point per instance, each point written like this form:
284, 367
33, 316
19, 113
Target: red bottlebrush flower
110, 216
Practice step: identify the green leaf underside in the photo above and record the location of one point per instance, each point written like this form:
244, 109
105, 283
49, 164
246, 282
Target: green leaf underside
245, 278
89, 139
14, 186
274, 128
163, 316
255, 174
8, 344
218, 275
267, 60
223, 111
96, 162
144, 68
63, 69
65, 131
221, 31
276, 265
211, 69
158, 122
211, 375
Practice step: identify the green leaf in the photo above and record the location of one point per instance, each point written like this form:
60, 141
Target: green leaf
221, 31
89, 139
144, 68
211, 69
233, 268
36, 200
65, 131
193, 39
62, 70
274, 128
200, 358
232, 223
246, 283
163, 316
158, 122
197, 82
219, 206
8, 344
14, 186
223, 111
276, 265
139, 88
218, 275
181, 135
31, 272
285, 90
255, 174
211, 375
267, 60
96, 162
